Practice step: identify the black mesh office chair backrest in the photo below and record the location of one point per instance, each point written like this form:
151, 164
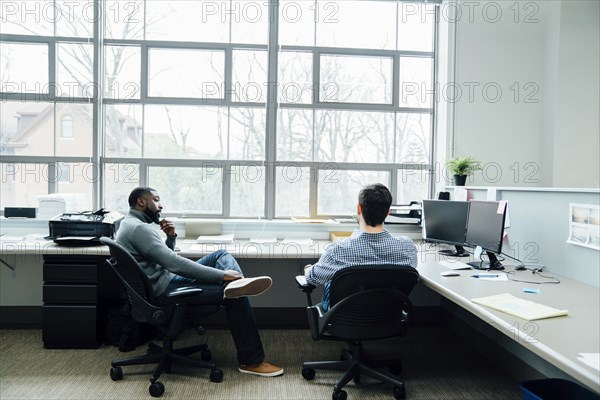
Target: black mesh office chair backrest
370, 302
130, 273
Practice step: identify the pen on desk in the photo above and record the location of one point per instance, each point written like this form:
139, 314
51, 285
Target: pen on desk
485, 276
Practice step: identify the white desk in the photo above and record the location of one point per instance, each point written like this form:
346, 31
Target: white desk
557, 340
187, 248
290, 249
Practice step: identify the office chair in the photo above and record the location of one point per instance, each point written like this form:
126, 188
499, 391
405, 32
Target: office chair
166, 313
366, 303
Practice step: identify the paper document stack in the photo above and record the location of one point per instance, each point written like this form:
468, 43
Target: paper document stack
53, 204
454, 264
591, 359
298, 241
519, 308
405, 214
265, 240
313, 220
220, 239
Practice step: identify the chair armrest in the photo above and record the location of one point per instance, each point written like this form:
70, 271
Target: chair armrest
303, 285
182, 293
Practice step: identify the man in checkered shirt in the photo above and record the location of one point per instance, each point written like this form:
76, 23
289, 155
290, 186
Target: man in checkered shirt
373, 245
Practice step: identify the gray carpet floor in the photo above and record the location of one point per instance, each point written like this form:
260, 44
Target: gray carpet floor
436, 366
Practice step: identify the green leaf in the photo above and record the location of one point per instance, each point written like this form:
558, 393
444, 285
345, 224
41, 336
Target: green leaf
463, 165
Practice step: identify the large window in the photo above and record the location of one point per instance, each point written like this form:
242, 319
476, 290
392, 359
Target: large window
355, 90
210, 104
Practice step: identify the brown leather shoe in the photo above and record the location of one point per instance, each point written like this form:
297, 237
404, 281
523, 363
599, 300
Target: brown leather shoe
247, 287
262, 369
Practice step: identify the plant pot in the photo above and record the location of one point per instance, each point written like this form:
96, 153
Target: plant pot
460, 180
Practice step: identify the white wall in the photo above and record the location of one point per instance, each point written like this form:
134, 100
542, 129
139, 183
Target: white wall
539, 228
533, 108
577, 96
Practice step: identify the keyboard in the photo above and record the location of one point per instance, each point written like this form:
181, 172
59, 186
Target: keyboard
454, 264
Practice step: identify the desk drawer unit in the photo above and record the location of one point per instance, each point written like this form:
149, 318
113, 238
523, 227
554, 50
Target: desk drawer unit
70, 317
70, 294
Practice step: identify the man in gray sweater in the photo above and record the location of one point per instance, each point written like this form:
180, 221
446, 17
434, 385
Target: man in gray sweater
218, 274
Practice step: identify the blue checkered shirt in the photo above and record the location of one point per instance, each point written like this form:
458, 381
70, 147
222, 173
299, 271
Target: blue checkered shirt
360, 249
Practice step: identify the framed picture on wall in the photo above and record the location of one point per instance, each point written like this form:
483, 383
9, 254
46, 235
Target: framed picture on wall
584, 225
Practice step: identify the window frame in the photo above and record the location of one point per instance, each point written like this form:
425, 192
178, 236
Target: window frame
272, 105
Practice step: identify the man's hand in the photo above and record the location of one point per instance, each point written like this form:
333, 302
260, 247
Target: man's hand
168, 227
232, 275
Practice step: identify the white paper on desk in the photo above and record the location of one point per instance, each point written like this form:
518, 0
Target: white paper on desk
210, 247
395, 219
524, 309
12, 238
80, 238
35, 237
298, 241
454, 265
313, 220
263, 240
591, 359
221, 239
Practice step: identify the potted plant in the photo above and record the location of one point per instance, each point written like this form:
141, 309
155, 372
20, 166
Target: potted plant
461, 167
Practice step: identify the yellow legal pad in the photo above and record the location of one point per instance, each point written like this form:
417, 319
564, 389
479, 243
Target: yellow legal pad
519, 308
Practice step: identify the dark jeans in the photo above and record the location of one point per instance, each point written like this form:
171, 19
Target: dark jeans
239, 311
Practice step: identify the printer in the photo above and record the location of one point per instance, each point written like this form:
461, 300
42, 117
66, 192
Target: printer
79, 228
405, 214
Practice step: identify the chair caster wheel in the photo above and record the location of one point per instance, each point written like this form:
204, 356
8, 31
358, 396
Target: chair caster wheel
308, 374
116, 373
216, 375
341, 395
206, 355
200, 330
399, 392
156, 389
356, 379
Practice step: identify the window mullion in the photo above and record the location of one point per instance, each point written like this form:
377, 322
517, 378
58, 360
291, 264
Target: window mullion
272, 107
313, 190
98, 96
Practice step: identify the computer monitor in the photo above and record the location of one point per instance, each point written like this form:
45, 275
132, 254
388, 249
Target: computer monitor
446, 222
485, 228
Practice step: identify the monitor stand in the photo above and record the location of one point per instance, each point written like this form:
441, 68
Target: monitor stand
493, 263
459, 252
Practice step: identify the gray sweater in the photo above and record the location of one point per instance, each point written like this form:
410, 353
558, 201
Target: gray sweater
157, 258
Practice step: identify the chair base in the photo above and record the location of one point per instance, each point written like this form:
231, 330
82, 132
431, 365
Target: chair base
165, 357
353, 367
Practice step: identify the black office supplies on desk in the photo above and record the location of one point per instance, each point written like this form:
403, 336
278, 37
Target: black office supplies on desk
83, 228
405, 214
20, 212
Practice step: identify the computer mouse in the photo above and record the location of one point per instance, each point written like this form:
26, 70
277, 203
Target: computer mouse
449, 273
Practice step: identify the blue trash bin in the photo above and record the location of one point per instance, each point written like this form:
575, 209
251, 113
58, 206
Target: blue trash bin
555, 389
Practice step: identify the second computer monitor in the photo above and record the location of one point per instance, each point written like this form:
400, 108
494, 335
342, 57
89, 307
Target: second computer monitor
446, 222
485, 228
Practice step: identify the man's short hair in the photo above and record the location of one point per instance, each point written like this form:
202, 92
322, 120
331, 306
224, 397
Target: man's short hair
137, 193
375, 201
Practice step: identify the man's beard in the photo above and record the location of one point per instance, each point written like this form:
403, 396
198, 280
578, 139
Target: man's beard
154, 216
